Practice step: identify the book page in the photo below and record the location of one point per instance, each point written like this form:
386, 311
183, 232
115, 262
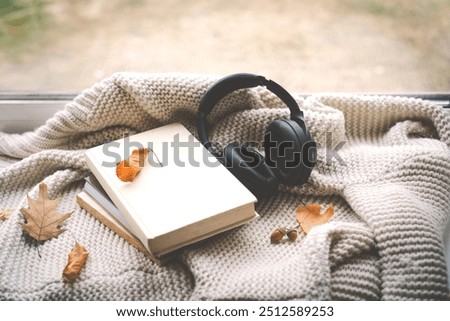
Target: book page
190, 187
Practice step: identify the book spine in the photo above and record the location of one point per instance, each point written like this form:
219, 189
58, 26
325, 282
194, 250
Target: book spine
136, 226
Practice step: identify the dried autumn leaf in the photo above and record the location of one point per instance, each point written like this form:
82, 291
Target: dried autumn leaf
310, 215
76, 261
126, 173
42, 220
127, 170
5, 214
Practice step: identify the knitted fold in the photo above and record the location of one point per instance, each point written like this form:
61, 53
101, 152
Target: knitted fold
384, 164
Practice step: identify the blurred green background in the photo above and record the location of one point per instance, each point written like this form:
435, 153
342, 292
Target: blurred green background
309, 46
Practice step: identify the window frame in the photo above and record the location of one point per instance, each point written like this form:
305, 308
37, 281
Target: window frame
18, 110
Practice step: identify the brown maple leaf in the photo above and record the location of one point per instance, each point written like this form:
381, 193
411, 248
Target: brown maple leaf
127, 170
310, 216
5, 214
42, 220
76, 261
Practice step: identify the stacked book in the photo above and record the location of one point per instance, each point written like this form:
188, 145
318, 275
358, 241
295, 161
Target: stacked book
187, 197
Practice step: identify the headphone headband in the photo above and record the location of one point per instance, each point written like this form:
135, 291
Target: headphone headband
227, 85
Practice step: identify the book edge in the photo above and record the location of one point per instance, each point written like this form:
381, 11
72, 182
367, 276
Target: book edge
102, 198
135, 223
141, 231
212, 233
91, 206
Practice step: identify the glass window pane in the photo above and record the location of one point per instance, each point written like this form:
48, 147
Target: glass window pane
308, 46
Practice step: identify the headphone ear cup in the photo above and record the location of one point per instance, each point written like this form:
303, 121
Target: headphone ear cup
249, 167
290, 150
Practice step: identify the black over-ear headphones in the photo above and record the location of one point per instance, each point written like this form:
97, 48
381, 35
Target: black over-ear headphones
290, 151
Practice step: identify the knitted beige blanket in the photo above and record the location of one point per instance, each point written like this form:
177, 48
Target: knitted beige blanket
384, 165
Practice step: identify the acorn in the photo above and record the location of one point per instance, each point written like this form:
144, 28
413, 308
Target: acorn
292, 235
277, 235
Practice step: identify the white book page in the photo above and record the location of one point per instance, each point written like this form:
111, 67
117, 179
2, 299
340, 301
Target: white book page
185, 190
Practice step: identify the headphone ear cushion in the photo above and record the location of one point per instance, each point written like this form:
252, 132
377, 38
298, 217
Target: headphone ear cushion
250, 168
290, 149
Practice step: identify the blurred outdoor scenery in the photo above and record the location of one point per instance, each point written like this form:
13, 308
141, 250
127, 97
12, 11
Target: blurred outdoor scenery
306, 46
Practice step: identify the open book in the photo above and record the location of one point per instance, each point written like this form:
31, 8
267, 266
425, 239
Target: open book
182, 194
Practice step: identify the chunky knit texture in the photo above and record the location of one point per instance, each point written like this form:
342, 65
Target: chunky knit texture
389, 183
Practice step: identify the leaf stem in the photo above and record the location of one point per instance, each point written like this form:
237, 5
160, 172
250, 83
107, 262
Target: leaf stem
39, 253
70, 232
156, 157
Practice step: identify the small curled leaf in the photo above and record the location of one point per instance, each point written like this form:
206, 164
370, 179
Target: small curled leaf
5, 214
311, 215
127, 170
76, 261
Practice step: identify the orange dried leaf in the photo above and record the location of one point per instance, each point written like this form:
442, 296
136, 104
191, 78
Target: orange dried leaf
5, 214
310, 216
76, 261
42, 219
127, 170
138, 157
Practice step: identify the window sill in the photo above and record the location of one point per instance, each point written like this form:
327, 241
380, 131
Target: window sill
21, 112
